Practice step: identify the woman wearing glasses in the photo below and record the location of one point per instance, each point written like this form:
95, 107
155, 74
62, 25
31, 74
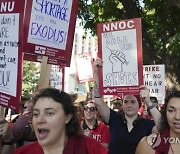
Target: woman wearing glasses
92, 127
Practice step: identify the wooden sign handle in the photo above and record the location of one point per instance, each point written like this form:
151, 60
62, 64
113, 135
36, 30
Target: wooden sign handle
44, 74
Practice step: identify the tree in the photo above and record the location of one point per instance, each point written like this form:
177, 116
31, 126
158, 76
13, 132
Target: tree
160, 28
30, 78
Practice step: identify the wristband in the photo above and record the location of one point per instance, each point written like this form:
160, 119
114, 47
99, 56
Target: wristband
150, 107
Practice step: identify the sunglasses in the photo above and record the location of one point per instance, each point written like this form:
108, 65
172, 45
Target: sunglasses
86, 108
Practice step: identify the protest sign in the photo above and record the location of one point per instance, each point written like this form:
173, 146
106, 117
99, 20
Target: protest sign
49, 28
11, 21
120, 48
57, 77
154, 79
84, 67
51, 60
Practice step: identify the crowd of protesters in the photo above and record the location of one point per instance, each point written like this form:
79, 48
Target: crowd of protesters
52, 122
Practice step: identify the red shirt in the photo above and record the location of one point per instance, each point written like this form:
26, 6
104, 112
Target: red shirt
145, 116
101, 134
75, 145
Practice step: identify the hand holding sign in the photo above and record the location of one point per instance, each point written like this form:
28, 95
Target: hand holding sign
97, 64
143, 91
144, 94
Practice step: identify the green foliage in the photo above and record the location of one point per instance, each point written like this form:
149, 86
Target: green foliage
30, 78
160, 24
95, 11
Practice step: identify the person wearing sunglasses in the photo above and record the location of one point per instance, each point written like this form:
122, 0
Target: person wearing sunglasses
92, 127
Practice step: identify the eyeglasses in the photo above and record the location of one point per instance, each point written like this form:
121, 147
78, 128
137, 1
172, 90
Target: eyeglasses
92, 109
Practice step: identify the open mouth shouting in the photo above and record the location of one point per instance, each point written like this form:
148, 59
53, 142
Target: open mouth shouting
42, 133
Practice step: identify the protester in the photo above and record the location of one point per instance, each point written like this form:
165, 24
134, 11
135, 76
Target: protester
167, 140
92, 127
23, 104
154, 100
11, 115
78, 103
117, 105
126, 130
22, 129
6, 137
144, 112
57, 128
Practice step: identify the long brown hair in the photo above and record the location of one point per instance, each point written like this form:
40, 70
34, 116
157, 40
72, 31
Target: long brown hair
164, 123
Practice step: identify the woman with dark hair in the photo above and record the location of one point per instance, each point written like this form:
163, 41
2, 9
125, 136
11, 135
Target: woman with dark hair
127, 129
22, 129
93, 127
168, 139
56, 126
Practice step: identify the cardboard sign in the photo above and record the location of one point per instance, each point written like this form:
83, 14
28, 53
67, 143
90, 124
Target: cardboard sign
57, 77
120, 48
154, 79
11, 21
84, 67
51, 60
49, 28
